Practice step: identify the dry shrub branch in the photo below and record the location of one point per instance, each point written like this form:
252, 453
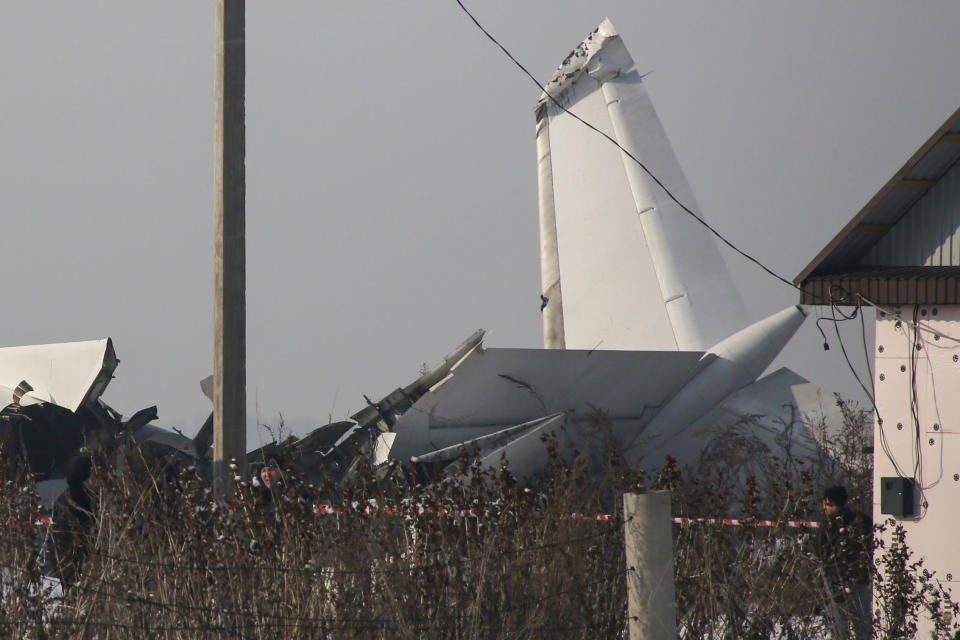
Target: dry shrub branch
476, 556
383, 558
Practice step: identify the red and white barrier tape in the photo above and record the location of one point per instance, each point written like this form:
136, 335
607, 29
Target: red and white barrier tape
795, 524
325, 509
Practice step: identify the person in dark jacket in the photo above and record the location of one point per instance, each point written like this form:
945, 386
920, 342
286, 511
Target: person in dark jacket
73, 514
845, 546
267, 482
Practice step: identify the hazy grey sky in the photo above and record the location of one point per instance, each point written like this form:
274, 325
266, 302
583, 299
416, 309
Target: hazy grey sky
391, 176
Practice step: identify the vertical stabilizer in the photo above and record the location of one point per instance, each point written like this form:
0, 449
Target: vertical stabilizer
623, 267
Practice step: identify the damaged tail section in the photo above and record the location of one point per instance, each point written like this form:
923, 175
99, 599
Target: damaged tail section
622, 265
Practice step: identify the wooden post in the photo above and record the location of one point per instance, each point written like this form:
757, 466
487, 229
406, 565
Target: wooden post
648, 537
229, 269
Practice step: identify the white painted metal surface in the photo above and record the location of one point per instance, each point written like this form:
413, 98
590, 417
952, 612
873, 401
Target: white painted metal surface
739, 360
636, 271
487, 443
552, 294
68, 374
492, 389
527, 454
381, 448
768, 405
643, 401
776, 406
634, 291
928, 448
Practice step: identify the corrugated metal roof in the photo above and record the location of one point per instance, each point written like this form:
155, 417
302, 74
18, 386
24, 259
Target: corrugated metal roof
907, 187
855, 243
889, 210
929, 235
931, 166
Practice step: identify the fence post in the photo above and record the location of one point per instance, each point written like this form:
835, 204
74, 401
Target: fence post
648, 538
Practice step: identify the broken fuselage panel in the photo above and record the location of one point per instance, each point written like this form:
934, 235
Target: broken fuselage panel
55, 408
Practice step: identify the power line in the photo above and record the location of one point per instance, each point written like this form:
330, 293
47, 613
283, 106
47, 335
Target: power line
918, 323
834, 310
827, 299
858, 311
915, 343
630, 155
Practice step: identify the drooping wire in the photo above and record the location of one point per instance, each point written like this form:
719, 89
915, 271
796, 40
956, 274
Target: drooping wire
920, 325
866, 351
719, 236
936, 410
826, 343
914, 345
918, 328
858, 311
835, 310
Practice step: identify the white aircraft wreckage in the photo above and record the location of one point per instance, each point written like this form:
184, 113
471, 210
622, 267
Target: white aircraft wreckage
647, 347
56, 408
646, 340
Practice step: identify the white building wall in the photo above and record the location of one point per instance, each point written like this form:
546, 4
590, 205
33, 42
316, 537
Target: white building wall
920, 433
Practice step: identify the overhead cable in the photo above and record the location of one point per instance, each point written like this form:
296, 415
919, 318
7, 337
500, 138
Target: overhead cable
630, 155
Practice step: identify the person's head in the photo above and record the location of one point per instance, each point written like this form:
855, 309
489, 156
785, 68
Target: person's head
834, 499
270, 476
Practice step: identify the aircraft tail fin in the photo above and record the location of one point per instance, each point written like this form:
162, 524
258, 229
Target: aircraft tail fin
622, 265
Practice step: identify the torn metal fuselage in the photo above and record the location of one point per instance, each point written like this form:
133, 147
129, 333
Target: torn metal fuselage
56, 408
338, 451
514, 406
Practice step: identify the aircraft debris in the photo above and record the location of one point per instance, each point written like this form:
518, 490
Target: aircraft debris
647, 348
56, 408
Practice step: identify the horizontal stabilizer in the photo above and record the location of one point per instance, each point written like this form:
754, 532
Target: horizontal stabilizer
527, 455
772, 411
484, 444
512, 386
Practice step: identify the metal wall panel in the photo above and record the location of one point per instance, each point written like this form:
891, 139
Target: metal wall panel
890, 209
929, 234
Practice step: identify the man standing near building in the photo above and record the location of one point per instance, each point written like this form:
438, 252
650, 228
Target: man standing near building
845, 546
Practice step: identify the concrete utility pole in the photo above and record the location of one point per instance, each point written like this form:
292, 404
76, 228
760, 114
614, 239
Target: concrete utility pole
648, 536
229, 266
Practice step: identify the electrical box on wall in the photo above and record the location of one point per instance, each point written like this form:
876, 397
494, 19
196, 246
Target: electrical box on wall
896, 496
